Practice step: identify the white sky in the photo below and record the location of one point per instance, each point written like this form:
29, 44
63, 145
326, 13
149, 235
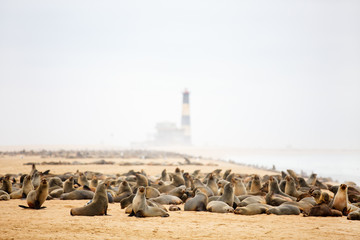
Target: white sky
261, 73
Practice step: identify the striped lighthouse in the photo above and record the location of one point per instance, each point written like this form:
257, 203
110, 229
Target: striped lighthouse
185, 118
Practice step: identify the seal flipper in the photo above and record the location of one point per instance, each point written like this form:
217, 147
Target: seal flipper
22, 206
139, 214
234, 205
132, 213
37, 204
86, 187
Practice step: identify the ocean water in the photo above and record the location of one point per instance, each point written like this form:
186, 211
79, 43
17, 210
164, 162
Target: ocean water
340, 166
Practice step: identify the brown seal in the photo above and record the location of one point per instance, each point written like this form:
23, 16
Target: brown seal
83, 180
98, 206
252, 209
140, 208
323, 210
6, 185
284, 209
219, 207
341, 201
197, 203
36, 198
290, 187
178, 178
69, 185
355, 215
239, 187
211, 183
4, 196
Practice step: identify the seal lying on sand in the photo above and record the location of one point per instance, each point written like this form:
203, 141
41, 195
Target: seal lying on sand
37, 197
141, 209
284, 209
98, 206
219, 207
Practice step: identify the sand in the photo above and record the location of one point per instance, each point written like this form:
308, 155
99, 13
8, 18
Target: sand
55, 222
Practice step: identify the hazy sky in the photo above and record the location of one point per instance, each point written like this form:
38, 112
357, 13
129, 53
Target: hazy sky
261, 73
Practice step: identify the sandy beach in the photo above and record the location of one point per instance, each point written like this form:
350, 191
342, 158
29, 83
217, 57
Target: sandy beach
55, 222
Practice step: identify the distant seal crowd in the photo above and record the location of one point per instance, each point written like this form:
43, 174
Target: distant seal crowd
141, 195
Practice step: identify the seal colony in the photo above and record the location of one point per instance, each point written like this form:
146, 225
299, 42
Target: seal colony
142, 195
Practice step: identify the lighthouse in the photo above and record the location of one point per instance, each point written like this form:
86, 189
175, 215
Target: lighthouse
185, 118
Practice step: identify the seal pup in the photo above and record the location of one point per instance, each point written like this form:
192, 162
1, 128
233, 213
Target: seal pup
98, 205
141, 209
36, 198
197, 203
219, 207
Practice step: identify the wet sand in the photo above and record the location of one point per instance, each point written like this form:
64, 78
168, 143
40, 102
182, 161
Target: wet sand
55, 222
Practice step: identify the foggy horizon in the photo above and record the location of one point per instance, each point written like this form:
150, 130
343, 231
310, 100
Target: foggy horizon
261, 75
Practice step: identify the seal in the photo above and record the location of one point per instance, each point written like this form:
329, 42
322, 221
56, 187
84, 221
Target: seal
228, 196
151, 192
167, 200
178, 178
290, 187
141, 209
174, 208
341, 201
36, 198
98, 205
69, 185
255, 184
141, 181
6, 185
211, 183
219, 207
252, 209
355, 215
83, 180
27, 185
197, 203
274, 187
4, 196
178, 192
123, 192
239, 187
94, 182
165, 176
323, 210
284, 209
77, 195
